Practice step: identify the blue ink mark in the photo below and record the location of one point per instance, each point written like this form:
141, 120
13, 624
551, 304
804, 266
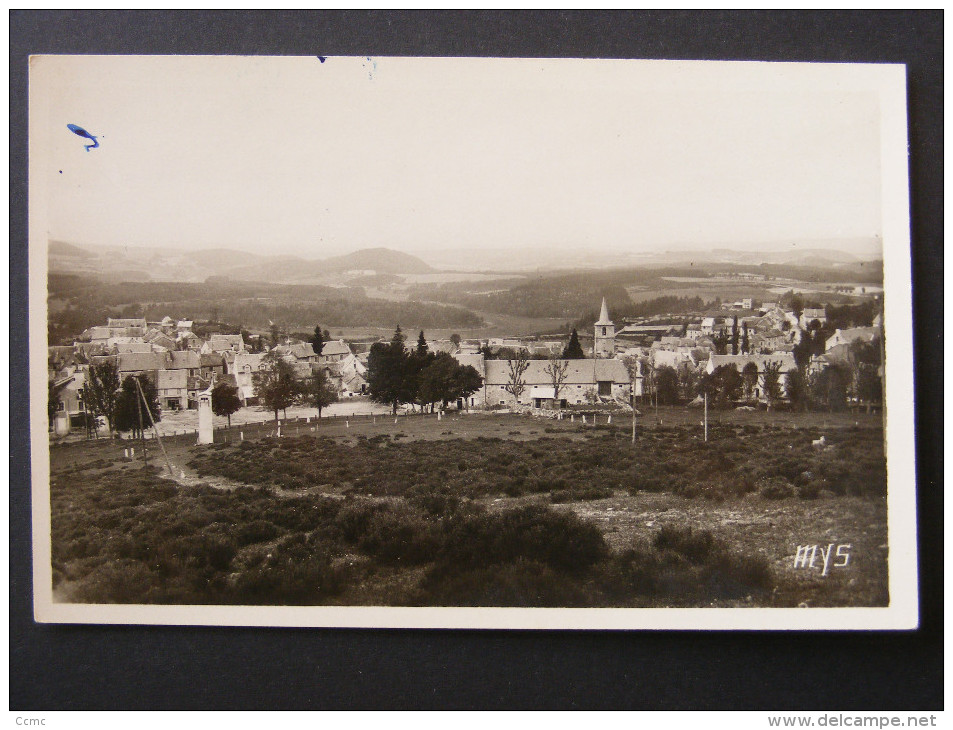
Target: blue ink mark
83, 133
370, 74
322, 59
61, 172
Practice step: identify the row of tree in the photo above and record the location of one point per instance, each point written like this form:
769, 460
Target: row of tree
396, 375
126, 403
828, 389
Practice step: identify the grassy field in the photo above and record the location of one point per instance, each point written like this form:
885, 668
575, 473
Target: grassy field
483, 509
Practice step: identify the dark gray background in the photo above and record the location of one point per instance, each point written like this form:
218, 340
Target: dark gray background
127, 667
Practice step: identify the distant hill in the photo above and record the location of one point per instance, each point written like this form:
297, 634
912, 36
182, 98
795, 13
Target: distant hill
176, 264
381, 260
61, 248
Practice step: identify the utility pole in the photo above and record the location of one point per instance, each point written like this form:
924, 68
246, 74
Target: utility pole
706, 415
142, 433
633, 410
154, 429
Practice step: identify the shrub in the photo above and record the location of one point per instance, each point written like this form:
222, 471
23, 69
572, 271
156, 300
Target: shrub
255, 531
520, 583
296, 572
696, 545
775, 488
399, 537
536, 533
559, 496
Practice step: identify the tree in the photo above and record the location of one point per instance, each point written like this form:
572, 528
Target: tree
317, 340
53, 398
797, 305
734, 336
771, 383
745, 341
573, 350
516, 371
749, 380
795, 385
803, 350
275, 383
725, 385
387, 366
829, 387
130, 411
687, 384
225, 400
318, 391
102, 390
467, 381
557, 370
422, 348
720, 341
455, 339
666, 385
869, 388
445, 380
275, 333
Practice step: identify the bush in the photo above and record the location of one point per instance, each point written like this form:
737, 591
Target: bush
775, 488
255, 531
559, 496
521, 583
534, 533
298, 572
400, 537
694, 545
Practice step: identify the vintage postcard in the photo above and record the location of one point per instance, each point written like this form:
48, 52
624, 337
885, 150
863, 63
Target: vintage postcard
471, 343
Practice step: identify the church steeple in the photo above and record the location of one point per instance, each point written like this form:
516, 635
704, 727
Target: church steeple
604, 342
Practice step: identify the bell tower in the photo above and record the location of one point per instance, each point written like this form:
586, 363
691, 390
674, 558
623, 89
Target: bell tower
604, 342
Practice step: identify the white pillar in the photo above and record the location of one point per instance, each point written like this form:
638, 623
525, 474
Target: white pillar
205, 418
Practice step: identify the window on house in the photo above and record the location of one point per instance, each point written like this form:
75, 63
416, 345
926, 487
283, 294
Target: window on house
605, 387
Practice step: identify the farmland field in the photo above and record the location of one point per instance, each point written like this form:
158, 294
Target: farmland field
483, 509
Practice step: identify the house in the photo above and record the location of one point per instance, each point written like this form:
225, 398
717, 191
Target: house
347, 376
183, 326
127, 347
223, 343
211, 365
160, 339
70, 410
136, 363
709, 324
601, 378
243, 366
809, 315
674, 359
172, 387
784, 359
333, 351
189, 341
196, 385
129, 327
167, 325
851, 335
301, 352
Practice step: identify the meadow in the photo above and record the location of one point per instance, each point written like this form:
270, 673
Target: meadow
482, 510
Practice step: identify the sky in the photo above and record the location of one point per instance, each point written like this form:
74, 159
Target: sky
298, 156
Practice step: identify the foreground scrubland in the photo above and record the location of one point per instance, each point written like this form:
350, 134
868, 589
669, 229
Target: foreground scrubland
539, 515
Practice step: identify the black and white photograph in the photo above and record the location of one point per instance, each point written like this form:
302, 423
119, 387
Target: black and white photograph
434, 342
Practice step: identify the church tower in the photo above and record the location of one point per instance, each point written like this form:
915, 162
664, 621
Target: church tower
604, 343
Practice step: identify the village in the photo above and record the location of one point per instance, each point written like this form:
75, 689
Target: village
744, 355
